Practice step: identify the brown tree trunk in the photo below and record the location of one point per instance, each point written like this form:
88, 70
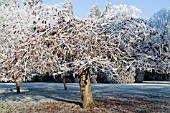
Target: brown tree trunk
64, 81
18, 81
85, 89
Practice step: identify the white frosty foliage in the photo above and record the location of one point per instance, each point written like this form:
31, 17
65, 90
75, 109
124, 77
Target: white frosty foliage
159, 20
126, 11
9, 3
29, 4
168, 23
13, 21
67, 12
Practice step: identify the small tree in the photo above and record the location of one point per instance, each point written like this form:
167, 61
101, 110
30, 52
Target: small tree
108, 10
95, 12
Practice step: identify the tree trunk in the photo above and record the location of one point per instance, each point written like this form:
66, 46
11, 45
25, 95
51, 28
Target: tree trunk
64, 81
85, 89
25, 71
18, 81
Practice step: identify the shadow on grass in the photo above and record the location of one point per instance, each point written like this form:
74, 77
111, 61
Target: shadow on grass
71, 96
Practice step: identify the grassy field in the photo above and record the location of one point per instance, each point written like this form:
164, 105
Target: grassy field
148, 97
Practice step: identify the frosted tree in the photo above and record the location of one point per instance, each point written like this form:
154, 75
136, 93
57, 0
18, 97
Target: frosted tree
160, 44
108, 10
142, 42
95, 12
118, 26
54, 46
67, 7
49, 42
159, 20
46, 44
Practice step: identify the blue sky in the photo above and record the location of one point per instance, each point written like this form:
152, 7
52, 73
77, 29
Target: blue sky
82, 7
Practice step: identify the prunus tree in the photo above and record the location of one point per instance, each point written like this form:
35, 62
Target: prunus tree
49, 39
46, 44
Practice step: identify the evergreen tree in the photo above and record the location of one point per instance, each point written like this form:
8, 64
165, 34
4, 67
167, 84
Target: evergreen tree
108, 10
69, 7
95, 12
67, 12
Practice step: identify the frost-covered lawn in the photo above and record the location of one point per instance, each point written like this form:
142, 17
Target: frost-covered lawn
50, 97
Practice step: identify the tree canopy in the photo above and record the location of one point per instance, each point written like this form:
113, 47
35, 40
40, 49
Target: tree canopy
49, 39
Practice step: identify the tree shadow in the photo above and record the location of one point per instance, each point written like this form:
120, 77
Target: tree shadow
71, 96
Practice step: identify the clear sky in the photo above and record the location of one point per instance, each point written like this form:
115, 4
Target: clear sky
82, 7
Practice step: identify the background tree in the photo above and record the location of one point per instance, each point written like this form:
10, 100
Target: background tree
126, 11
159, 20
68, 7
168, 23
95, 12
108, 10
